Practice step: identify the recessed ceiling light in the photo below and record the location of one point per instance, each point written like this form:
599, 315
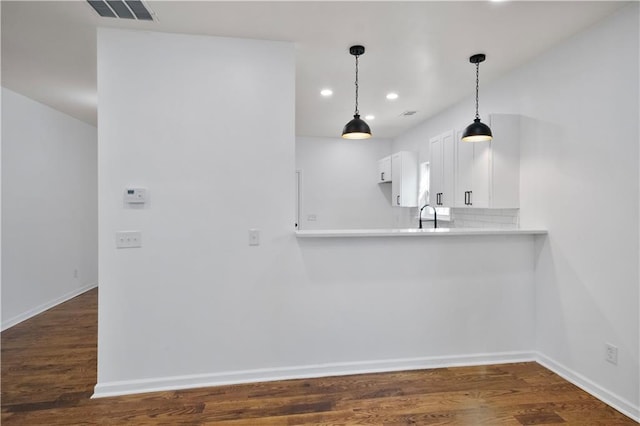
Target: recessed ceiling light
326, 92
369, 117
391, 96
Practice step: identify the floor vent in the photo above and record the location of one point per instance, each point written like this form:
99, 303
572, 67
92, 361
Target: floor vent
127, 9
408, 113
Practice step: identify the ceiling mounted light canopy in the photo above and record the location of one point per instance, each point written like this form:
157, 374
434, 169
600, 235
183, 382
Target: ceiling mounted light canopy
477, 131
356, 128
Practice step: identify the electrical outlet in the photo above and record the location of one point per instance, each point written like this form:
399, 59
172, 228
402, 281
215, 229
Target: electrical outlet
128, 239
254, 237
75, 273
611, 354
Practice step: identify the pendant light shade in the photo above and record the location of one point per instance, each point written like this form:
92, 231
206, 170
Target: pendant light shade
477, 131
356, 128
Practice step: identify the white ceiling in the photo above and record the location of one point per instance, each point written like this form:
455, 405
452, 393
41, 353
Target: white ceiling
418, 49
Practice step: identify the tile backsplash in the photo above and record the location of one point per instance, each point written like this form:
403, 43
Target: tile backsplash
485, 218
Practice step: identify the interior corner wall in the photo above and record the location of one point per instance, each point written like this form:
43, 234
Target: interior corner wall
579, 179
587, 277
49, 207
339, 186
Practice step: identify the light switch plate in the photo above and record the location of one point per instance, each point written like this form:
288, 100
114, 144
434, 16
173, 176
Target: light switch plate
128, 239
611, 354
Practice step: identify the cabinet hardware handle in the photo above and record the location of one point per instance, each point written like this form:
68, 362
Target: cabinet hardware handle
398, 200
382, 176
470, 203
466, 198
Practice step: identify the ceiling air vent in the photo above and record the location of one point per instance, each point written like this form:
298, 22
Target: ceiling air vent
128, 9
408, 113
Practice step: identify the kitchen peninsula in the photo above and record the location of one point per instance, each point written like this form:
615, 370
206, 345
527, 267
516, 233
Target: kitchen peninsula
412, 232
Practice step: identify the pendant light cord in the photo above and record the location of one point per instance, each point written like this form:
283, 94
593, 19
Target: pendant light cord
357, 112
477, 83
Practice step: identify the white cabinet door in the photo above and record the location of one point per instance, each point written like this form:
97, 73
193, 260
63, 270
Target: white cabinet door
488, 173
473, 173
384, 170
442, 170
464, 169
404, 180
481, 175
396, 180
448, 169
435, 170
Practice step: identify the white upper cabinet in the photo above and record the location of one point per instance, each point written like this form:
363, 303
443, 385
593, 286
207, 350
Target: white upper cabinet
442, 171
488, 173
384, 169
404, 179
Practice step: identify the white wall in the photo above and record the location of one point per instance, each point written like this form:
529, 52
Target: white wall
207, 125
49, 207
579, 179
339, 183
197, 306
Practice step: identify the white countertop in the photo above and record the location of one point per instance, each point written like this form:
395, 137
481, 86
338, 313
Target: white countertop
439, 232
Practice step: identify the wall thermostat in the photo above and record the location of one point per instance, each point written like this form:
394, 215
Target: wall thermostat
135, 195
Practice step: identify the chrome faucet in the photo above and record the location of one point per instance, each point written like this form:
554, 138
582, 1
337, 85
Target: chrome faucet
435, 216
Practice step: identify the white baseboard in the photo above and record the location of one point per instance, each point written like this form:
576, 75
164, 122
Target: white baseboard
117, 388
625, 407
47, 305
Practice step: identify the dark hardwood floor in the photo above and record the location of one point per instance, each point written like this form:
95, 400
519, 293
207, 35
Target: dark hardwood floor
49, 370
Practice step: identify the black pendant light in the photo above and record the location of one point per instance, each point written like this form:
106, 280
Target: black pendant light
356, 128
477, 131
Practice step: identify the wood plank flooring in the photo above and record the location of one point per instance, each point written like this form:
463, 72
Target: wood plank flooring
49, 370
